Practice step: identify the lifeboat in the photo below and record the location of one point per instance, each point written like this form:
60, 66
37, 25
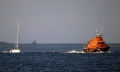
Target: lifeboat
97, 44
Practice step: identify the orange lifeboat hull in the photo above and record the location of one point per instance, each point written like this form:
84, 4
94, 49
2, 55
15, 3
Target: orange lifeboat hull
89, 50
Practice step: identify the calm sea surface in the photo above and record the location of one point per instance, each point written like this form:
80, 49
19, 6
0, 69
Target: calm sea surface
40, 58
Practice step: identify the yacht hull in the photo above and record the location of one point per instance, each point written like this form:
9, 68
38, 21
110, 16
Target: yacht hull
14, 51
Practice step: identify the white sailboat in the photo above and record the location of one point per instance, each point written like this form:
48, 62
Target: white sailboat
16, 48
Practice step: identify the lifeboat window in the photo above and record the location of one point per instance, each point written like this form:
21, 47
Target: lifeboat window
100, 42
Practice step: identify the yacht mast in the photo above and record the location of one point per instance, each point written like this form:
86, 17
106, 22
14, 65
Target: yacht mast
17, 36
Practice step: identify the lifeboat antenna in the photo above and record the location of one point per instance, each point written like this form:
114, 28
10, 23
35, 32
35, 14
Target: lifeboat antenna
93, 31
102, 29
96, 31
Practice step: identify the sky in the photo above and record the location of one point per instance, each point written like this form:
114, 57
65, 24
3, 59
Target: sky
59, 21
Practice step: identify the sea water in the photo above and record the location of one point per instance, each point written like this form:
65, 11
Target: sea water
41, 58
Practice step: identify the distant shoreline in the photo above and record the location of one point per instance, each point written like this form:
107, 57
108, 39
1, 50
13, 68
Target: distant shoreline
49, 43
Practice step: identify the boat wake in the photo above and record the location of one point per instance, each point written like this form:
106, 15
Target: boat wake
74, 51
71, 51
5, 52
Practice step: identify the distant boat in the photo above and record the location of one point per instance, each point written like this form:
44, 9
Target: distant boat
34, 42
16, 49
97, 44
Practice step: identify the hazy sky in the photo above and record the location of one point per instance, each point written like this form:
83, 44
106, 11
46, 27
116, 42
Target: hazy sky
59, 21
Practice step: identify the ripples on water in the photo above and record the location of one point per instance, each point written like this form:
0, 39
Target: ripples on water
32, 60
59, 62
